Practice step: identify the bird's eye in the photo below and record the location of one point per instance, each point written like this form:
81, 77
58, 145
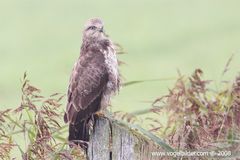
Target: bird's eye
92, 27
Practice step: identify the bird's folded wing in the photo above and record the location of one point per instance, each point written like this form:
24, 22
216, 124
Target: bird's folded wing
88, 80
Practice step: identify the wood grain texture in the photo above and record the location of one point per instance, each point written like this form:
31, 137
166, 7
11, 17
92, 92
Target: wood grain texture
115, 141
98, 148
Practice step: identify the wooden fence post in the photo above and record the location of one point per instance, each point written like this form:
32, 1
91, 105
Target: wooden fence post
115, 141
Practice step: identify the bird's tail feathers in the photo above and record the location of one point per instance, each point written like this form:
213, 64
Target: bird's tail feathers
79, 133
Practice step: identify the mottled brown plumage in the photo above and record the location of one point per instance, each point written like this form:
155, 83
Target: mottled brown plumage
94, 79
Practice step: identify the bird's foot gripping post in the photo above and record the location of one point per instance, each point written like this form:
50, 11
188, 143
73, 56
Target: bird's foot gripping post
99, 114
104, 113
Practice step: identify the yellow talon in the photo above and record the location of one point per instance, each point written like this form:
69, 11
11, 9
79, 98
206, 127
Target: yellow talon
100, 114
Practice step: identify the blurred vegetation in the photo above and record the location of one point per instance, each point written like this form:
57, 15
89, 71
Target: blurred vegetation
198, 118
35, 129
193, 116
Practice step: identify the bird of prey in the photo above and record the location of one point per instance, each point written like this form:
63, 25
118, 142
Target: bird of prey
94, 79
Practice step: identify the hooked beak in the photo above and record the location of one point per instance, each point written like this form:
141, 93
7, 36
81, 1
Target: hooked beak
101, 30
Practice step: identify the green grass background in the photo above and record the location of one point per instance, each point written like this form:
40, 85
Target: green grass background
159, 36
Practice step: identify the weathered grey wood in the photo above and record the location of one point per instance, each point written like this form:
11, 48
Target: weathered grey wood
98, 148
119, 142
123, 143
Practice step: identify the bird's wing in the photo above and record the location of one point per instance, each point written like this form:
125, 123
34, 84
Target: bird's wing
88, 80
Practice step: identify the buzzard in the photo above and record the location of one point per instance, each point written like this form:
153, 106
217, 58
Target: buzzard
94, 79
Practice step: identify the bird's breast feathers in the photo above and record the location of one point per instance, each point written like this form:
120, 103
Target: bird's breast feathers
113, 76
112, 68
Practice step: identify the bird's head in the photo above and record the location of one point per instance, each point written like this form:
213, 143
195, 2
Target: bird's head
94, 29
